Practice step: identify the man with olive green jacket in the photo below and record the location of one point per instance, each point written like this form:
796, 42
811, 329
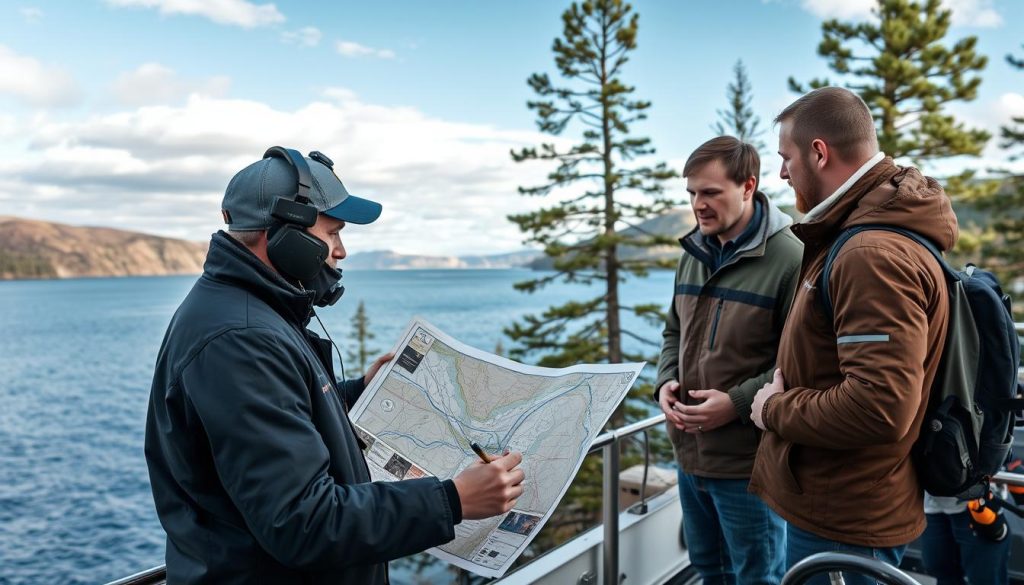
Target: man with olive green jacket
732, 293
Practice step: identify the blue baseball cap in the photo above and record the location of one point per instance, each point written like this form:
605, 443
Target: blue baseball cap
251, 194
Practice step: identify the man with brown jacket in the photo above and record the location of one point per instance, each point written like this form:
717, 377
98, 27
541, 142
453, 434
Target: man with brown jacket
847, 402
733, 287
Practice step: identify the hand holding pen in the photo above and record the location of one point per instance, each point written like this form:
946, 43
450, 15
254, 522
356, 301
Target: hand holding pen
491, 486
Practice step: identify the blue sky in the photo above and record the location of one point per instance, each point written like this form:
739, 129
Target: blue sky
135, 113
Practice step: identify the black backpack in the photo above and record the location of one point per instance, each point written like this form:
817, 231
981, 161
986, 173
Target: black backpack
968, 426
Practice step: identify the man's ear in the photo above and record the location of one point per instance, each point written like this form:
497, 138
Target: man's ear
820, 153
749, 187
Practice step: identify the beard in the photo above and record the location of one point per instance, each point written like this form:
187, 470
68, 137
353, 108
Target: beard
802, 204
809, 194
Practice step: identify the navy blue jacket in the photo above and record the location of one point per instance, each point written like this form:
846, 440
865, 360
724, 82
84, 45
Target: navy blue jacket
256, 471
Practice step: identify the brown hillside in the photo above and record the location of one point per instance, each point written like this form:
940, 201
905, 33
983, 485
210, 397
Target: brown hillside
39, 249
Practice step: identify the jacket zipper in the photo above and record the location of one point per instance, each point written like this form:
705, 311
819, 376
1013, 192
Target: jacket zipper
714, 324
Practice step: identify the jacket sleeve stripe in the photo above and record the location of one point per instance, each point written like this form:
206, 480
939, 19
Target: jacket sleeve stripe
862, 338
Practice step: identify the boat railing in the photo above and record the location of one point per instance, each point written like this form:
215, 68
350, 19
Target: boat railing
152, 576
834, 562
609, 443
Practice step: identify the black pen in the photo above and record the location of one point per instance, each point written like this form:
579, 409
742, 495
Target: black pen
480, 452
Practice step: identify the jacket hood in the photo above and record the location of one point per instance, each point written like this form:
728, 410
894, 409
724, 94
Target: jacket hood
230, 261
773, 221
888, 195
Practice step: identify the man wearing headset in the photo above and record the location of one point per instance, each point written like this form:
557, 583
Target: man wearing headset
256, 471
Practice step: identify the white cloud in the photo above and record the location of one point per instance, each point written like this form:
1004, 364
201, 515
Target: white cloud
153, 83
446, 186
307, 36
841, 9
977, 13
351, 49
231, 12
31, 15
33, 82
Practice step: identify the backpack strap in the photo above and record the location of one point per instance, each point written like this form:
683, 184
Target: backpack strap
837, 244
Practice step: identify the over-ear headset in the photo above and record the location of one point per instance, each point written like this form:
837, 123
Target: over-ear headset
292, 250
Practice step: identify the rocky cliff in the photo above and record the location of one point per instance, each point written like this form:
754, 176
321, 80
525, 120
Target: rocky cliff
39, 249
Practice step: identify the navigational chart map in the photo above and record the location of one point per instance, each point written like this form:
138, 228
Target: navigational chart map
438, 395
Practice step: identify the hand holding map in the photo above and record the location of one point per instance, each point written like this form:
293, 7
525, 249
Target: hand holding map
423, 410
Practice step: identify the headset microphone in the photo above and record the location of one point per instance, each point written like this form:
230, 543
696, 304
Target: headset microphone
332, 294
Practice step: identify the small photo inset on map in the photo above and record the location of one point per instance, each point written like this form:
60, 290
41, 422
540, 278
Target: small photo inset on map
410, 359
397, 466
519, 523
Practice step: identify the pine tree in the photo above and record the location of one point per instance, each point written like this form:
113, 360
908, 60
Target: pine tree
362, 355
582, 234
739, 119
607, 190
898, 64
1001, 247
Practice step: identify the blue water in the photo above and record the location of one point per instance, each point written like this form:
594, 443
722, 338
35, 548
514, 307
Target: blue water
76, 359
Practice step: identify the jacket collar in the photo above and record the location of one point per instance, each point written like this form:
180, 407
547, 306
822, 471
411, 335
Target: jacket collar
229, 261
822, 229
773, 221
822, 207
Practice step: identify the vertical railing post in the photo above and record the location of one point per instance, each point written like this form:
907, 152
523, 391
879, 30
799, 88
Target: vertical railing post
610, 504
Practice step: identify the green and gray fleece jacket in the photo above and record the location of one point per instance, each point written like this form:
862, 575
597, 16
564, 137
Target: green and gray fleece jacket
722, 333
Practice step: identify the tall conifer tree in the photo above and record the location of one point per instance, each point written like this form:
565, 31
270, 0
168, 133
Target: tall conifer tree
362, 335
607, 190
1002, 245
739, 119
899, 65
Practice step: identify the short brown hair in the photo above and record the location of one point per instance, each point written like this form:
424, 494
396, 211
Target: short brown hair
740, 159
833, 114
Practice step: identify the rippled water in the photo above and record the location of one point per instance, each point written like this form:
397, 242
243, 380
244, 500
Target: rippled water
76, 358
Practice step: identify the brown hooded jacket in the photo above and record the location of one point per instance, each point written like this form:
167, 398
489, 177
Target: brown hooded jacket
835, 460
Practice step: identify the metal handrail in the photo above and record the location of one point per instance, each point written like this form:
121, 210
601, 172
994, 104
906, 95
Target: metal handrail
1009, 478
608, 442
148, 577
829, 562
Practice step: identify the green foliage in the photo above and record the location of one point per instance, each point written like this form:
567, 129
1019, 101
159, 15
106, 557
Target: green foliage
363, 354
1000, 247
582, 233
739, 119
899, 66
19, 265
1013, 135
608, 191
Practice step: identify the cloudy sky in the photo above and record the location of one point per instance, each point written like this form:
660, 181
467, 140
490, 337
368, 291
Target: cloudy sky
136, 113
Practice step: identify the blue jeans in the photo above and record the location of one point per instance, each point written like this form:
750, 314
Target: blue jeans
732, 536
802, 544
950, 552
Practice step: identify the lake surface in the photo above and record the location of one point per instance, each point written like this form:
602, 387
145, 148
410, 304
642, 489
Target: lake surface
76, 361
